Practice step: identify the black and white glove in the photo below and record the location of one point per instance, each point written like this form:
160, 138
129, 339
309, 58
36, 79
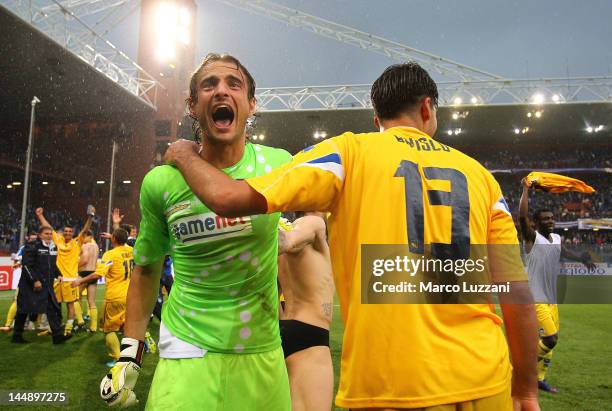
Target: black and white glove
117, 386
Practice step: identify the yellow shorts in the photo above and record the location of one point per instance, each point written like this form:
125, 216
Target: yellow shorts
548, 319
65, 292
497, 402
112, 316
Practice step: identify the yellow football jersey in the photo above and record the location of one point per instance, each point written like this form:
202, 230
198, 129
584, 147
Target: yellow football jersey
68, 254
116, 266
401, 186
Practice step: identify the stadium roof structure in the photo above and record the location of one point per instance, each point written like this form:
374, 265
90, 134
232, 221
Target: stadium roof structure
70, 83
476, 106
483, 126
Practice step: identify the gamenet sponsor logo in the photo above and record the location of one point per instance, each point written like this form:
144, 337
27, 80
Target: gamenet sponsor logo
209, 227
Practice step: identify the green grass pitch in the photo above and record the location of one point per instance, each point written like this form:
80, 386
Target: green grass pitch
581, 365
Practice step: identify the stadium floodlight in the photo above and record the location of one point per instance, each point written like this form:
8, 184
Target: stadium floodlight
185, 17
529, 114
474, 100
556, 98
457, 131
316, 135
455, 115
183, 35
16, 183
457, 101
9, 186
517, 131
100, 182
261, 137
538, 98
72, 182
165, 50
172, 27
599, 128
255, 137
45, 183
589, 129
538, 114
167, 12
323, 134
450, 132
127, 181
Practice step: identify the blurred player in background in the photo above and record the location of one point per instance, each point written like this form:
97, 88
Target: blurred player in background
544, 250
132, 231
165, 285
12, 311
68, 252
88, 261
116, 267
305, 276
401, 355
36, 286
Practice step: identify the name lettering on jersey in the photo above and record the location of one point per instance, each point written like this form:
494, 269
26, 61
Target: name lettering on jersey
422, 144
178, 207
209, 227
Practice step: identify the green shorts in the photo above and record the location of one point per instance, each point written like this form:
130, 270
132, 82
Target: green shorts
222, 382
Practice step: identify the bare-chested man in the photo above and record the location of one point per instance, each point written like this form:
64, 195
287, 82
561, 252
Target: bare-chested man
305, 277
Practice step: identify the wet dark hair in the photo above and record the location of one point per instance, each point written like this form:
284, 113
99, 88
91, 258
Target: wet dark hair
126, 227
120, 236
400, 88
193, 85
539, 211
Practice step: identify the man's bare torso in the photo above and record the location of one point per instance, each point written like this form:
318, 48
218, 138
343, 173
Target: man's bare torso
306, 282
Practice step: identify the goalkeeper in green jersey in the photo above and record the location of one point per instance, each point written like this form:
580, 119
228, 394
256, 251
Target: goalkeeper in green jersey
219, 341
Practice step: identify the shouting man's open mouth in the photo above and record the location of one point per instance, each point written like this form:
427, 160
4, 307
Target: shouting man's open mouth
223, 117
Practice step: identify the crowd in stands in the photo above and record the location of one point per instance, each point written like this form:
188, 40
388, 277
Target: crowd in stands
10, 216
542, 159
66, 163
565, 206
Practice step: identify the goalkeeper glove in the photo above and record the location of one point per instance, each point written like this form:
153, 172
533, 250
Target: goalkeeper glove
117, 386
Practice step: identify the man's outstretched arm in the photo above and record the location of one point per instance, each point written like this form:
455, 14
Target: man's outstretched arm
584, 258
117, 218
117, 386
222, 194
527, 232
41, 218
305, 232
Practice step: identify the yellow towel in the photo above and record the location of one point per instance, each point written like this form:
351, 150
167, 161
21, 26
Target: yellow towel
556, 183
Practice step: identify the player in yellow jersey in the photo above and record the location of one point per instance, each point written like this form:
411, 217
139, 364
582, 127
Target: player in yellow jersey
400, 186
68, 252
116, 267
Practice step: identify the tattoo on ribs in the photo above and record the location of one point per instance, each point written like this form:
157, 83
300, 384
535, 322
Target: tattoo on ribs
327, 309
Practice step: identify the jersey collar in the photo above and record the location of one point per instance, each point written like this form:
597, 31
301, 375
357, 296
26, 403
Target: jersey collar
408, 129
